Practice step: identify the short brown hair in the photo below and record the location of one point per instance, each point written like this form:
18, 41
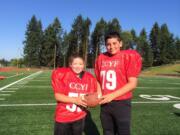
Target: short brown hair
113, 34
73, 56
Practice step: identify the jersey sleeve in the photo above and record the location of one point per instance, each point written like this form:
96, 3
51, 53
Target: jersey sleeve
134, 64
57, 83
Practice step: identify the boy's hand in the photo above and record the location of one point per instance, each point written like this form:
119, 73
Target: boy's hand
107, 98
79, 101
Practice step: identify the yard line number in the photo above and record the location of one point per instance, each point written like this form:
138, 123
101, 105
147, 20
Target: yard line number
161, 98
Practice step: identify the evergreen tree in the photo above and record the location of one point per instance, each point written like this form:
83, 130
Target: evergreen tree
64, 49
177, 44
85, 38
113, 25
79, 36
33, 42
167, 46
4, 62
134, 39
48, 48
127, 39
144, 49
50, 55
155, 43
58, 30
76, 36
97, 40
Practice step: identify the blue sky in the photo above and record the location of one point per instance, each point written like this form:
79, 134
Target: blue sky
137, 14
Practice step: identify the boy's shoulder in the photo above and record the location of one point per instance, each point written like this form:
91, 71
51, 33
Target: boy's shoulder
129, 52
105, 54
61, 70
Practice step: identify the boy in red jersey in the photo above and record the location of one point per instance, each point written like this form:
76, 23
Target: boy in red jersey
69, 85
117, 73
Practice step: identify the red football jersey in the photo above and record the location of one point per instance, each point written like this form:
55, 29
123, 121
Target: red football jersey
65, 81
113, 71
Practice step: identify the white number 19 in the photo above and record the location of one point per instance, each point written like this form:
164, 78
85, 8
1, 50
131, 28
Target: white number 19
110, 78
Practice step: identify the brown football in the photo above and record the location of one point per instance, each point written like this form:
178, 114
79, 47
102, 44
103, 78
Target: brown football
92, 99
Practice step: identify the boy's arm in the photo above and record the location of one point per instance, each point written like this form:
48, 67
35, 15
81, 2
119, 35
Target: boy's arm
131, 85
75, 100
99, 90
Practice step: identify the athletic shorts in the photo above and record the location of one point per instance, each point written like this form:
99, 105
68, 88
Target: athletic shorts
115, 117
72, 128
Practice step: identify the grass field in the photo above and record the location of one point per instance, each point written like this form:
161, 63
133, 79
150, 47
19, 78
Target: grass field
27, 106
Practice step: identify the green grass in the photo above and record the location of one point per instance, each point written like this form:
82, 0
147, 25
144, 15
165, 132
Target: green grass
151, 118
170, 69
155, 119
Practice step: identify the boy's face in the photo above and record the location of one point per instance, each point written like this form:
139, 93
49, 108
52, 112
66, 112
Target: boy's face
113, 45
77, 65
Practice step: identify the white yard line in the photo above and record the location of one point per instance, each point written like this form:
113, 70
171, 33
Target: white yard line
160, 82
12, 88
53, 104
5, 94
39, 81
48, 104
37, 86
7, 91
154, 102
157, 88
14, 75
1, 98
20, 80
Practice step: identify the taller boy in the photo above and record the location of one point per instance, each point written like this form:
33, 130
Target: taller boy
117, 73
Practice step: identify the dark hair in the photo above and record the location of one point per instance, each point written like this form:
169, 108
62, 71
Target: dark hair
73, 56
112, 34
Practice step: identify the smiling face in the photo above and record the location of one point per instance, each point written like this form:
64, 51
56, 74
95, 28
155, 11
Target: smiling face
113, 45
77, 65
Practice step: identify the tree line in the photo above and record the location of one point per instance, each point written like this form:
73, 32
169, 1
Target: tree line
52, 46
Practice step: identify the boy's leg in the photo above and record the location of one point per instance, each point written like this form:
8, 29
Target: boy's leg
107, 120
62, 129
122, 116
78, 127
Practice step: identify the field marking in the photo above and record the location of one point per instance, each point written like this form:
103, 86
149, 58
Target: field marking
20, 80
154, 102
7, 91
158, 88
37, 86
40, 80
53, 104
13, 88
177, 106
14, 75
45, 77
2, 99
47, 104
5, 94
158, 82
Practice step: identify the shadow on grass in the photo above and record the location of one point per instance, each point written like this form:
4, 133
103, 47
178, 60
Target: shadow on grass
177, 71
90, 126
177, 114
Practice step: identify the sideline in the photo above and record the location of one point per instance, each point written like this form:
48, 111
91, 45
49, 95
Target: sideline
20, 80
14, 75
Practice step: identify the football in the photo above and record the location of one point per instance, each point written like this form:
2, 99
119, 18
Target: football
2, 77
92, 99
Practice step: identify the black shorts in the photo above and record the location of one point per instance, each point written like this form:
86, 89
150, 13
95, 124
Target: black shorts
72, 128
115, 117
